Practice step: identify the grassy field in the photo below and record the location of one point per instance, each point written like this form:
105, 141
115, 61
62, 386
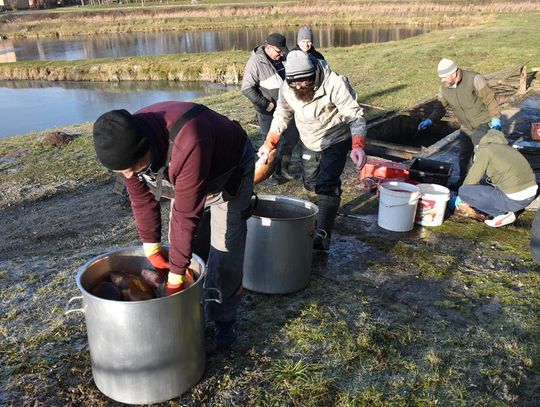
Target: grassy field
446, 316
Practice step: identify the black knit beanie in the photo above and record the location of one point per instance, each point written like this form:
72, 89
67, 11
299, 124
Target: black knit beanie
119, 139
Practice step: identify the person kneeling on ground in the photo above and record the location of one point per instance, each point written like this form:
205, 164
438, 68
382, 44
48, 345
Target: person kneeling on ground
510, 182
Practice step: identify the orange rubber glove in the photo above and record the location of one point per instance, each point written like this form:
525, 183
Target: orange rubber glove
272, 139
175, 284
178, 282
154, 253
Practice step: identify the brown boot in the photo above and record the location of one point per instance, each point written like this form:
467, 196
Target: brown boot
466, 211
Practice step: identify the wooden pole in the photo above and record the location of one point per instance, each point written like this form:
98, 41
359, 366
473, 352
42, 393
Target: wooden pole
523, 80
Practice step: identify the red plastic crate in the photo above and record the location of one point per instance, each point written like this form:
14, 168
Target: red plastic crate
383, 170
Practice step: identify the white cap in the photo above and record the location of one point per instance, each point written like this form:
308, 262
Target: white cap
446, 67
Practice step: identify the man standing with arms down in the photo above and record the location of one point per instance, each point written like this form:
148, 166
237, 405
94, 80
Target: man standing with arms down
263, 75
210, 162
472, 101
327, 114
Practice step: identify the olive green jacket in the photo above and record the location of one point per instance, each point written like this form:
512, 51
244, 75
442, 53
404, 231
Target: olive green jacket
472, 101
504, 166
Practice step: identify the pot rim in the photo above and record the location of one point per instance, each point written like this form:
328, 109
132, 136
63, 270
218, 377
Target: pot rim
132, 250
276, 198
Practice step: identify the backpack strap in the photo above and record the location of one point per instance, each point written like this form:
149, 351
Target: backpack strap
119, 183
175, 129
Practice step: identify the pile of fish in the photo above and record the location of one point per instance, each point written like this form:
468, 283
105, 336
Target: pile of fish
149, 284
122, 286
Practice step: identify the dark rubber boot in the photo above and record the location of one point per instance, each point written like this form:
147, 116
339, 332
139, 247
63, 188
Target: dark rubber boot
224, 334
277, 178
285, 173
328, 208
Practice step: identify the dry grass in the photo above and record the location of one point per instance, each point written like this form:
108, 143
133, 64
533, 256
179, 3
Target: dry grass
91, 21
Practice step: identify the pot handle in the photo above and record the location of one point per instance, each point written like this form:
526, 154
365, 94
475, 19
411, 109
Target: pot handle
69, 311
219, 298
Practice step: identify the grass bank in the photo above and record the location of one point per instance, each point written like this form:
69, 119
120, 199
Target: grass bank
216, 15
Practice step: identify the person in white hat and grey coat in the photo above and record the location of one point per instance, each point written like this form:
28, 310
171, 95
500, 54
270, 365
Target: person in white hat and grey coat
330, 122
473, 102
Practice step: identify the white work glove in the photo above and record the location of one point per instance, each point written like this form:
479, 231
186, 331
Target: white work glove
358, 156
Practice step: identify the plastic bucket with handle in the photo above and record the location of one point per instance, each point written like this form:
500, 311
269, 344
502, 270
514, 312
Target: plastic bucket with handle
432, 204
397, 206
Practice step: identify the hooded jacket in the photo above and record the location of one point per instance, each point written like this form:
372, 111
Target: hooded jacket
331, 117
261, 81
505, 167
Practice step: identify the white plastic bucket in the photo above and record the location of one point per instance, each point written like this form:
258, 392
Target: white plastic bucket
397, 206
432, 204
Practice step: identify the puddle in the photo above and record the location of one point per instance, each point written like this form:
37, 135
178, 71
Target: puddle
346, 260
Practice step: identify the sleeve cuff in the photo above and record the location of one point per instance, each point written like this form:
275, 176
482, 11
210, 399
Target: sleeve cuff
151, 248
358, 141
272, 138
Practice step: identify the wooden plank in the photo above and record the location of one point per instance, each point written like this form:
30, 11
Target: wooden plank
384, 149
439, 145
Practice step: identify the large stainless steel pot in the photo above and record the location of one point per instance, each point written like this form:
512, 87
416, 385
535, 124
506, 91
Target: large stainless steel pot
142, 351
279, 246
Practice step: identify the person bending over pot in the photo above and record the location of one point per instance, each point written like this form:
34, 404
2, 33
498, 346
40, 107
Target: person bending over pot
197, 158
500, 181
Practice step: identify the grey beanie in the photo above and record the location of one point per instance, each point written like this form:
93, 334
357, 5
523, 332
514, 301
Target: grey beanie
298, 66
305, 33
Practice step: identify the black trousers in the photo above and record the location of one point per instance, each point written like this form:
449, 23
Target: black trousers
288, 139
321, 170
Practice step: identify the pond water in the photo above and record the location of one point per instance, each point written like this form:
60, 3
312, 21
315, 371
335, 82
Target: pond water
36, 106
139, 44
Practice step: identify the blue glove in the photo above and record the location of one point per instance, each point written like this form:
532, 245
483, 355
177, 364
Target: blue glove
424, 124
454, 202
495, 124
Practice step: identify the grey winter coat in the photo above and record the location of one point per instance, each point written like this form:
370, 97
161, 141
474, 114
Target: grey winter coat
261, 81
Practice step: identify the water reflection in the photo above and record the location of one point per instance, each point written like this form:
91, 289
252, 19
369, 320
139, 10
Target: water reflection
36, 106
139, 44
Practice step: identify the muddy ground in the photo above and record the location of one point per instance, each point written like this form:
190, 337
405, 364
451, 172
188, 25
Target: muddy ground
448, 315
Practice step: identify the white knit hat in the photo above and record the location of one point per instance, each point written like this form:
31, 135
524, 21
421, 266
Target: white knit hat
446, 67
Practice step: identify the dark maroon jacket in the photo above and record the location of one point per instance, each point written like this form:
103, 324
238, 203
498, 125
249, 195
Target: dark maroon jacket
207, 146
